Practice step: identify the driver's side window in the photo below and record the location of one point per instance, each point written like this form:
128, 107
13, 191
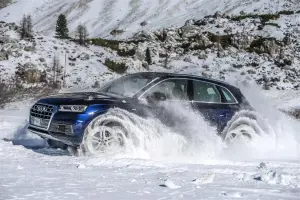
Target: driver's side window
173, 89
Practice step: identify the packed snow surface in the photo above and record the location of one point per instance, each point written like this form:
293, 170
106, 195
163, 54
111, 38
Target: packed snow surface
103, 16
158, 163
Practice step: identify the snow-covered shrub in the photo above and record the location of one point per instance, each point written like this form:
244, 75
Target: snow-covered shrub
119, 68
4, 3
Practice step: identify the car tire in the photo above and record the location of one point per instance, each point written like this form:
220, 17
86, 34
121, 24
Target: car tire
103, 136
245, 125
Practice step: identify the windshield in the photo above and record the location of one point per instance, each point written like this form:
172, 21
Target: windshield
128, 85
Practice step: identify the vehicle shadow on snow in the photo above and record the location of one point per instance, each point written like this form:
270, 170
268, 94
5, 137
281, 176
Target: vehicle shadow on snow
32, 142
39, 146
52, 152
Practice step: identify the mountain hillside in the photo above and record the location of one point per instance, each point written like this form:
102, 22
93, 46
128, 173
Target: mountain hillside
103, 16
259, 46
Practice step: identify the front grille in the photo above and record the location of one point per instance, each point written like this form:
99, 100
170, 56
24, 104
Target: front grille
40, 115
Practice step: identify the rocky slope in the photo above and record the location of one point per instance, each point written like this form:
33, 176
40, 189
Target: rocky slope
262, 49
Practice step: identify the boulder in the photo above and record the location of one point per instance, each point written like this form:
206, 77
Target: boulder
143, 35
29, 48
16, 54
13, 26
144, 23
202, 56
218, 14
188, 59
3, 55
241, 40
30, 75
116, 32
189, 22
140, 54
84, 56
4, 39
145, 65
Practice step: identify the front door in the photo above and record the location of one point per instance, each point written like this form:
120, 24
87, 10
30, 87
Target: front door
169, 111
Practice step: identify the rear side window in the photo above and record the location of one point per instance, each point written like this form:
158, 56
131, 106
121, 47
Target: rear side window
228, 96
206, 92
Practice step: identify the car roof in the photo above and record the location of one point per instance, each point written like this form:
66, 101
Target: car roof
173, 75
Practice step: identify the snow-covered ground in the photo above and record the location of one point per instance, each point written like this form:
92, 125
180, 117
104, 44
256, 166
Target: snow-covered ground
271, 171
103, 16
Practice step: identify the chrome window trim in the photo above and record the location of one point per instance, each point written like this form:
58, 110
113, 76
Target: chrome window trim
216, 90
146, 86
236, 101
154, 79
192, 101
50, 120
139, 98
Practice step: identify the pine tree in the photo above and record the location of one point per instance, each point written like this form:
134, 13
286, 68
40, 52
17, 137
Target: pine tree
81, 34
29, 26
62, 30
26, 27
148, 58
23, 27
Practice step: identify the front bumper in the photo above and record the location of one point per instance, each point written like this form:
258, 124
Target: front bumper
67, 127
69, 140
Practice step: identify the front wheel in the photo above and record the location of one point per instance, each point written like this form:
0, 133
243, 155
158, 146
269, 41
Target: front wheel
103, 137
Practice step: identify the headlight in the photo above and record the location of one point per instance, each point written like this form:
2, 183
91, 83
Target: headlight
72, 108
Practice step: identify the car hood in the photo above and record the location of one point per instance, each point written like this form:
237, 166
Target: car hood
79, 98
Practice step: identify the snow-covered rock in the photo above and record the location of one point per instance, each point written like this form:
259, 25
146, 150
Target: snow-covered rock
205, 179
170, 184
273, 177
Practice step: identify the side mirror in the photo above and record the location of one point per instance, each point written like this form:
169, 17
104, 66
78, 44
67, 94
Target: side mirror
156, 97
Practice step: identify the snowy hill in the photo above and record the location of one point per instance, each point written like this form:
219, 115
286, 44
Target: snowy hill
241, 43
254, 48
103, 16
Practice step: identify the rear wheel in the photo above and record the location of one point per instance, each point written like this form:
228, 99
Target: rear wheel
245, 126
241, 131
103, 136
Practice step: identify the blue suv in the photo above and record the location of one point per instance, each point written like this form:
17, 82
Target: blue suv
70, 118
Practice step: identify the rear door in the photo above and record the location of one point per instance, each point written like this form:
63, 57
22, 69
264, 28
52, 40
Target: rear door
214, 102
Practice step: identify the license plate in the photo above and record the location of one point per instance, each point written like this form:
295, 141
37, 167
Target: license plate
36, 121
